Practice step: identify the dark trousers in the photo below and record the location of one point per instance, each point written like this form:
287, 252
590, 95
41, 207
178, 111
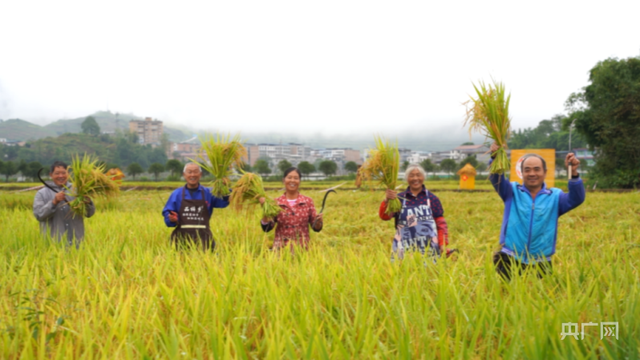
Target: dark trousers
506, 266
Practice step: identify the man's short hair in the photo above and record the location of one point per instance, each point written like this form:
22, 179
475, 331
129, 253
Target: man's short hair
527, 156
189, 164
57, 164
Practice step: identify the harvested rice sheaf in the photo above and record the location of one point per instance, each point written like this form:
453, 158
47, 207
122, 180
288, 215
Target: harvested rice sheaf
89, 181
382, 166
488, 114
221, 154
248, 190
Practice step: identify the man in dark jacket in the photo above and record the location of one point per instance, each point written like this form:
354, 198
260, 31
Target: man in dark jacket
189, 210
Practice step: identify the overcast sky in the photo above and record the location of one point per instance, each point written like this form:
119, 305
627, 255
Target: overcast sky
302, 66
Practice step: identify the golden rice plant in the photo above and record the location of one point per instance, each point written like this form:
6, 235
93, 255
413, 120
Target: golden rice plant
249, 189
488, 114
89, 181
219, 154
383, 165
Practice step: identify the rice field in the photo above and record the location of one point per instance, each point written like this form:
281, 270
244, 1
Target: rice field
126, 294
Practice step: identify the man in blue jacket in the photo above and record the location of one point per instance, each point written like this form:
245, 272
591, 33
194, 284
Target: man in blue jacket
189, 210
531, 211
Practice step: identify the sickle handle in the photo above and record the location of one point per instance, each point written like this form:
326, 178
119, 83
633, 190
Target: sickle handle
44, 183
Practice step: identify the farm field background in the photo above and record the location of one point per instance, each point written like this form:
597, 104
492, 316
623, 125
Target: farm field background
127, 294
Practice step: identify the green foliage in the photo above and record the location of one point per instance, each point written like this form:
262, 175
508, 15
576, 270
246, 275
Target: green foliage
262, 167
429, 166
351, 166
156, 169
121, 149
134, 169
328, 167
404, 166
468, 143
306, 168
482, 167
283, 165
607, 114
448, 165
175, 166
9, 152
8, 168
549, 134
90, 126
470, 159
31, 170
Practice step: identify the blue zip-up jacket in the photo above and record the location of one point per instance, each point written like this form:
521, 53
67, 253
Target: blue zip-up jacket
175, 201
530, 228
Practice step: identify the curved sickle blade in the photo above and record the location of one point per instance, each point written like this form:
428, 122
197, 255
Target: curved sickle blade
324, 201
44, 183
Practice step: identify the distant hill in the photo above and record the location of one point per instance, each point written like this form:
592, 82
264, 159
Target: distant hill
17, 129
107, 121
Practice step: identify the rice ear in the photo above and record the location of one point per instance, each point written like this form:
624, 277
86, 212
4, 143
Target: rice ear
488, 114
383, 165
89, 180
219, 155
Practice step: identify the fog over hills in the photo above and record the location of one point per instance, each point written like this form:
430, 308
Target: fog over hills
413, 136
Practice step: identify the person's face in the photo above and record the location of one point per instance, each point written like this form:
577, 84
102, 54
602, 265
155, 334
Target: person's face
533, 172
192, 175
60, 175
416, 179
292, 181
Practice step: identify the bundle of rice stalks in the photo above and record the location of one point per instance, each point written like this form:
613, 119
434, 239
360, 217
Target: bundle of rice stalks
488, 114
115, 174
89, 181
383, 165
249, 189
221, 153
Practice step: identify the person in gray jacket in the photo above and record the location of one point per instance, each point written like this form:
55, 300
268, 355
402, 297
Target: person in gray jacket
52, 209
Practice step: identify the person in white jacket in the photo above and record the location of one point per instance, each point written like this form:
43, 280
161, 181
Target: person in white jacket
51, 208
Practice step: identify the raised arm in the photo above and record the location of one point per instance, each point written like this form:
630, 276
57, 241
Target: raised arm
499, 182
577, 193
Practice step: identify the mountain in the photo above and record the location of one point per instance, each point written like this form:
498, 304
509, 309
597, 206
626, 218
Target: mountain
17, 129
107, 121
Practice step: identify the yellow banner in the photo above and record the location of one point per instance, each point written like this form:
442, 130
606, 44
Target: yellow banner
549, 155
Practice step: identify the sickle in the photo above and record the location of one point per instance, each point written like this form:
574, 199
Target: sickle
45, 184
325, 199
322, 209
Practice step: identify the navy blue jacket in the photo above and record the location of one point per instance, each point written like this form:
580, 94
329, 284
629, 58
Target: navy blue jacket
175, 201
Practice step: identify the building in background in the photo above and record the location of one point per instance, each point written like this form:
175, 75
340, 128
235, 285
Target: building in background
292, 152
338, 155
405, 154
184, 150
480, 151
438, 156
149, 131
417, 157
